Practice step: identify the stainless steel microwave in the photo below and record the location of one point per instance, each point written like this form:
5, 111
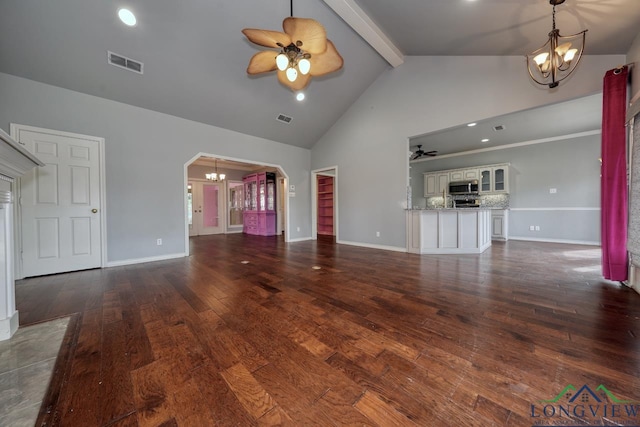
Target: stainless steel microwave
464, 187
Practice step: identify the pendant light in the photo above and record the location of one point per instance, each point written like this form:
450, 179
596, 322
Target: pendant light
558, 57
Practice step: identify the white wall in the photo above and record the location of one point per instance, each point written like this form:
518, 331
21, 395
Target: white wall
425, 94
145, 156
633, 56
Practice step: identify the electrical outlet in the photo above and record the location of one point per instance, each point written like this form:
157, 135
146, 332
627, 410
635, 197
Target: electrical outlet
537, 228
553, 190
377, 234
298, 229
159, 242
531, 228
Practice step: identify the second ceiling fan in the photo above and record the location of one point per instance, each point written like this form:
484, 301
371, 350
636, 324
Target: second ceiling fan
420, 153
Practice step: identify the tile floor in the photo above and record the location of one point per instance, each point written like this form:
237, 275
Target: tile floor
26, 363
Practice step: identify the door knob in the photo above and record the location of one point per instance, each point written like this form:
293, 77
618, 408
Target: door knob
94, 210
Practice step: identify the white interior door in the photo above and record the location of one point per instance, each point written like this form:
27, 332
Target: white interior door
60, 203
207, 208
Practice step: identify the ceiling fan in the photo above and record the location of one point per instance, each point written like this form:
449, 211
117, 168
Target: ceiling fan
420, 152
304, 52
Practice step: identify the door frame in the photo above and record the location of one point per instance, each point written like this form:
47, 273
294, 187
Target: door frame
235, 159
329, 171
15, 130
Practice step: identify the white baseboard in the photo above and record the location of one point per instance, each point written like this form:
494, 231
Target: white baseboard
142, 260
543, 239
299, 239
372, 246
634, 278
9, 326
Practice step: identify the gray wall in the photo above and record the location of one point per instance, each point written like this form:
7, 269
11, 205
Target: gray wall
633, 56
145, 156
369, 144
571, 166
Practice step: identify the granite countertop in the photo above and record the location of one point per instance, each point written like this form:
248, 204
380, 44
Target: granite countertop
481, 208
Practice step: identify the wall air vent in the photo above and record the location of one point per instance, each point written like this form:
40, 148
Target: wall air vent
284, 119
499, 127
124, 62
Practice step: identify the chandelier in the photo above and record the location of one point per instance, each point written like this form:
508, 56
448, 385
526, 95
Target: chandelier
558, 57
215, 176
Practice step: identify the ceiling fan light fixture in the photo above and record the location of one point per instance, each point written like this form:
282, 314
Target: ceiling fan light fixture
282, 61
558, 58
304, 66
292, 74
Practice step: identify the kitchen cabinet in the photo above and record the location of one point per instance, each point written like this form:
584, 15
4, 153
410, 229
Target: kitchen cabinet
260, 204
448, 231
500, 224
435, 183
494, 179
463, 175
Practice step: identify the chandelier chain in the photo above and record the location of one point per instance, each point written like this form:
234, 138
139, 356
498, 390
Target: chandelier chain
554, 16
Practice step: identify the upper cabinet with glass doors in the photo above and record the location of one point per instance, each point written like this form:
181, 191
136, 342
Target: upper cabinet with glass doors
494, 179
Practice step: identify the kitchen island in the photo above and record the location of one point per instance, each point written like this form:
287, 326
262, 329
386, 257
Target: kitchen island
448, 231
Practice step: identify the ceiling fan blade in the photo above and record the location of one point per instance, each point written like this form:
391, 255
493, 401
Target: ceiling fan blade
309, 31
267, 38
431, 153
262, 62
326, 62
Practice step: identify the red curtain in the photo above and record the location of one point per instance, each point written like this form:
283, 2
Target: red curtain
613, 188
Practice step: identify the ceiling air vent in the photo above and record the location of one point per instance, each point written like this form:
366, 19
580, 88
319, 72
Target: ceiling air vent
284, 119
124, 62
499, 127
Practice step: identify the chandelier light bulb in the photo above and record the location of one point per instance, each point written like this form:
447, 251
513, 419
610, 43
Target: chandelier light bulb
571, 53
222, 177
540, 59
563, 48
292, 74
282, 61
304, 66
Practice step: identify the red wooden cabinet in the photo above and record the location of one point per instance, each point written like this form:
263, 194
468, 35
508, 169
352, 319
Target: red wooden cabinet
325, 205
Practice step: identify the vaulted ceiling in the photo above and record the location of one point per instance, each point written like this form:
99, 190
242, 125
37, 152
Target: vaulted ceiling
195, 56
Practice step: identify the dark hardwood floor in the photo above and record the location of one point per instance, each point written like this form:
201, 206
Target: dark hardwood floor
371, 338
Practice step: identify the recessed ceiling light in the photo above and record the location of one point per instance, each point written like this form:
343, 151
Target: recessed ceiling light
472, 124
127, 17
300, 96
485, 140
